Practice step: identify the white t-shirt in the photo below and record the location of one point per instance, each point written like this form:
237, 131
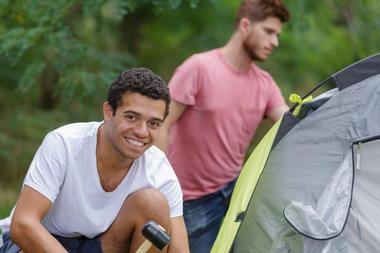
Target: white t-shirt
64, 170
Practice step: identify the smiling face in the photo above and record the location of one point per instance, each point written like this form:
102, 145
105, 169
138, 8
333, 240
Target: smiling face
135, 124
262, 38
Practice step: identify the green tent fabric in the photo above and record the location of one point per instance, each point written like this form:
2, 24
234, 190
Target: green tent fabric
243, 191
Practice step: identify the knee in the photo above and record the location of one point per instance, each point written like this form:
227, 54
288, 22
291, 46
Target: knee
148, 204
148, 200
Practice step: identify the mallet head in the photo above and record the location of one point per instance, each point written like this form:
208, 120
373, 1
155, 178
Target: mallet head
156, 234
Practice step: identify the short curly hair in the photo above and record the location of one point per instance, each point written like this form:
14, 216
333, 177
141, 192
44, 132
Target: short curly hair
259, 10
142, 81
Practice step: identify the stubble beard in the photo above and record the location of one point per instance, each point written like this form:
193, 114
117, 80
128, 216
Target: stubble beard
251, 52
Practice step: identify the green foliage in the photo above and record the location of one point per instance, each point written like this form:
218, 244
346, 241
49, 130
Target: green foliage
40, 37
7, 201
58, 57
48, 40
57, 60
321, 38
187, 31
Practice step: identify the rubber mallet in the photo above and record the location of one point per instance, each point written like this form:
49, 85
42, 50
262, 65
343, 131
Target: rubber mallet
154, 234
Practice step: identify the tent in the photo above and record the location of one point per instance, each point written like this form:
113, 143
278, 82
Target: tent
313, 182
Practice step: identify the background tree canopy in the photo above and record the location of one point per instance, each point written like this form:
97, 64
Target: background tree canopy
58, 57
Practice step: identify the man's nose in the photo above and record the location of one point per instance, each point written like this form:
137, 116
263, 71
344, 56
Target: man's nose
275, 41
142, 130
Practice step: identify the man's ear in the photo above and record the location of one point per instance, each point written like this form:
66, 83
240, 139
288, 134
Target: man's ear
107, 111
245, 26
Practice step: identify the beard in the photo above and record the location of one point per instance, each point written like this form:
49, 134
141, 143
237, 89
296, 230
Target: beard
249, 49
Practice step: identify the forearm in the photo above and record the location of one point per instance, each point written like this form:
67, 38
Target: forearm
277, 113
162, 142
32, 237
179, 242
176, 111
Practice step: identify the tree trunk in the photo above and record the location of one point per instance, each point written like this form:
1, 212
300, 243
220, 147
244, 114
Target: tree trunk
49, 94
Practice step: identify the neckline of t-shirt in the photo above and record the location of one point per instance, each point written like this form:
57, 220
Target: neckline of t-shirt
95, 168
233, 70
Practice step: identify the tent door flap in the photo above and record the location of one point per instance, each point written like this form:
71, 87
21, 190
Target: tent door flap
327, 218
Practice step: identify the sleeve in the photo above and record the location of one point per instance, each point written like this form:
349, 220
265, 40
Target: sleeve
275, 98
184, 84
171, 189
48, 168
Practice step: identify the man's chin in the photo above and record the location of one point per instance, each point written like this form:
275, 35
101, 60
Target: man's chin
259, 58
136, 152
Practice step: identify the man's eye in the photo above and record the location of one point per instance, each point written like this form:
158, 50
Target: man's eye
130, 117
155, 124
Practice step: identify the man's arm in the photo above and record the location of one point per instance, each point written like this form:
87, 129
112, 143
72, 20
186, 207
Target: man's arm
277, 113
179, 242
26, 229
176, 110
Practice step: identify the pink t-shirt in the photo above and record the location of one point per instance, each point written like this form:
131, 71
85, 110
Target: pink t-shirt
225, 107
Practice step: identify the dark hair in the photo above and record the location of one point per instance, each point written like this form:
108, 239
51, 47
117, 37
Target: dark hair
258, 10
142, 81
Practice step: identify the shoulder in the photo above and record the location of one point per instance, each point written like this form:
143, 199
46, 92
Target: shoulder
158, 169
201, 59
161, 176
264, 76
77, 129
261, 72
156, 160
74, 136
154, 154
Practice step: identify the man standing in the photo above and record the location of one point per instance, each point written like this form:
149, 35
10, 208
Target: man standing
92, 186
219, 98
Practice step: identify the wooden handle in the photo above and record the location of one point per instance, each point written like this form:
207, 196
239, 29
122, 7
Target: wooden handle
144, 247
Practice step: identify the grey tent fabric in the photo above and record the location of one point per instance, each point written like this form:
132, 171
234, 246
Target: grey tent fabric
364, 220
328, 218
305, 199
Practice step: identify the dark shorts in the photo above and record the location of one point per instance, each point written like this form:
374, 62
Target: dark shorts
72, 245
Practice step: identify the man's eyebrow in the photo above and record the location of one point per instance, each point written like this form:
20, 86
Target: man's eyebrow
138, 114
158, 119
129, 111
